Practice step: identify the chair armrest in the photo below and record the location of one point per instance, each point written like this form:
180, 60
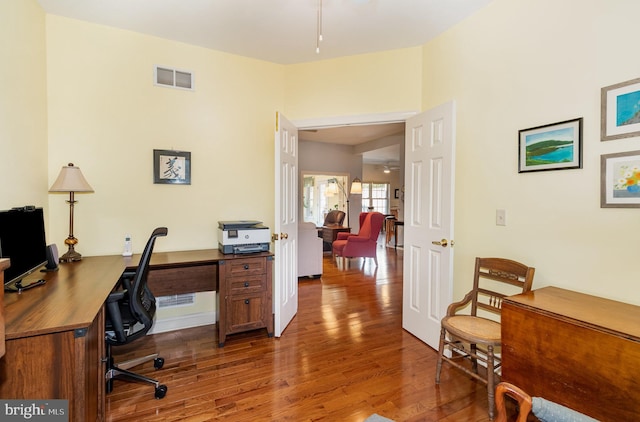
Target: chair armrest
114, 315
344, 235
116, 296
451, 309
358, 239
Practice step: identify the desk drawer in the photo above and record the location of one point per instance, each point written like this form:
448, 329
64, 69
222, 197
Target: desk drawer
239, 286
245, 266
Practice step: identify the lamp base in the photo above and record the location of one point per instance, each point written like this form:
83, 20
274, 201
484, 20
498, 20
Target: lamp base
71, 256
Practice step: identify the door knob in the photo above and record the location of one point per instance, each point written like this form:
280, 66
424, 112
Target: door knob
442, 242
284, 235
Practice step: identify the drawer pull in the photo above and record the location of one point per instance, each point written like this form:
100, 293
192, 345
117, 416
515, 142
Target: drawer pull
246, 301
246, 284
246, 266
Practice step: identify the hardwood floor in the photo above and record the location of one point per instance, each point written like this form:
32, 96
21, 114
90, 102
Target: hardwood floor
344, 357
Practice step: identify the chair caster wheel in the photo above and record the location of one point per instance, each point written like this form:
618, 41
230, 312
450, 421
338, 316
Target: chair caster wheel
158, 363
161, 391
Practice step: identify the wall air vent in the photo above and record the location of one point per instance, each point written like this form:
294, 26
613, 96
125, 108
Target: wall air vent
176, 301
173, 78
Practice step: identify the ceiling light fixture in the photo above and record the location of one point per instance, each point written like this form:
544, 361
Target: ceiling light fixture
386, 170
319, 27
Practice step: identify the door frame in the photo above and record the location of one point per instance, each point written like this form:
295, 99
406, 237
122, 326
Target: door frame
361, 119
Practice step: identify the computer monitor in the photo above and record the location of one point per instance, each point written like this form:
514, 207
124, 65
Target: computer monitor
22, 239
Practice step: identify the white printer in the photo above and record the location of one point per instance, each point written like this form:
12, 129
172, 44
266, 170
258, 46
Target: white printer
243, 236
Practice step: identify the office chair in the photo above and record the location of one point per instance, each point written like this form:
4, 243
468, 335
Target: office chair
130, 311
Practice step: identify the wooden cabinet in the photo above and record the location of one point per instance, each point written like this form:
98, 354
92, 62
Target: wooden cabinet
574, 349
330, 233
245, 295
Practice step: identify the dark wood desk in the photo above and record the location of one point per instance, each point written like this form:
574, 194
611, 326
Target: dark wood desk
578, 350
55, 332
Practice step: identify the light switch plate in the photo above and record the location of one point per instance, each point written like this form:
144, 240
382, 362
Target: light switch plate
501, 217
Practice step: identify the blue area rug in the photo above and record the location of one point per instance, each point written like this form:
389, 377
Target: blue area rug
377, 418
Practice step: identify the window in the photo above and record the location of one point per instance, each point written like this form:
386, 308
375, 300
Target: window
322, 193
375, 197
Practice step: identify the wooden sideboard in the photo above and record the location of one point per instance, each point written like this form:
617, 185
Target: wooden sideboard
578, 350
55, 332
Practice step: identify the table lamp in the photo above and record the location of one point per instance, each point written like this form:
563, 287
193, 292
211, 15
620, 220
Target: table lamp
71, 180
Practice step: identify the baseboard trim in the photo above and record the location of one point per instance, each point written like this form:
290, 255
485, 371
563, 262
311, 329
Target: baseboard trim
182, 322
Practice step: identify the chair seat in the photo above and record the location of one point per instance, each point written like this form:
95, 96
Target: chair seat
475, 329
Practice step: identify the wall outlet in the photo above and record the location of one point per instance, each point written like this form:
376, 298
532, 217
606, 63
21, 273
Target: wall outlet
501, 217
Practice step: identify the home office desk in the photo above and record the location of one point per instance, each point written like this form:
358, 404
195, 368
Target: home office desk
55, 332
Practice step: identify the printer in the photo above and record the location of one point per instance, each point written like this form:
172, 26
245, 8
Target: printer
243, 236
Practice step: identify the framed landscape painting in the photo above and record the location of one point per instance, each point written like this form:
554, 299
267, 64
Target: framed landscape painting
557, 146
620, 110
620, 180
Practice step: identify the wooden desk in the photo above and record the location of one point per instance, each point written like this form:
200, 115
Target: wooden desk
55, 332
55, 337
578, 350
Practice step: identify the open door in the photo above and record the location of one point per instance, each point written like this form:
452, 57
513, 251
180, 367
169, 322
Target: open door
285, 286
428, 242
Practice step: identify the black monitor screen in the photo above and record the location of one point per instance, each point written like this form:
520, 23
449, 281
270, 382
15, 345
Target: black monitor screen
22, 239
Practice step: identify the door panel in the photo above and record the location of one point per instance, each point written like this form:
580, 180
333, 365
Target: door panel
428, 263
285, 285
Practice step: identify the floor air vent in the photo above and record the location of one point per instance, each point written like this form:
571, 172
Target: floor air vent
176, 301
173, 78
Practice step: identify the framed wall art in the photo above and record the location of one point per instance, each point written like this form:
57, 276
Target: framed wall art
620, 180
620, 110
557, 146
171, 167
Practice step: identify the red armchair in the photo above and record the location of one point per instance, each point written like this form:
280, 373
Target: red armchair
363, 244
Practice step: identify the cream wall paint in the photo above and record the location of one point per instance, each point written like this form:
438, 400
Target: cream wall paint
23, 105
521, 64
365, 84
107, 117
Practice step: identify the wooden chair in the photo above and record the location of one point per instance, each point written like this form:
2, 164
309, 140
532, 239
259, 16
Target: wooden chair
476, 335
544, 410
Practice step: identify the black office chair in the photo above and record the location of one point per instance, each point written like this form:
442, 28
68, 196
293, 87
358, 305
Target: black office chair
130, 311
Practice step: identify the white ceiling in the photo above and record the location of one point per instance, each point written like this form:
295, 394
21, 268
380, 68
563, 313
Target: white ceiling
280, 31
285, 31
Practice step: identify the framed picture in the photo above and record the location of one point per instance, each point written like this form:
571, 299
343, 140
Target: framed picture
396, 194
620, 180
557, 146
620, 110
171, 167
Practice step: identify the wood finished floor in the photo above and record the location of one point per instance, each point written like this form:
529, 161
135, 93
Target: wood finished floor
344, 357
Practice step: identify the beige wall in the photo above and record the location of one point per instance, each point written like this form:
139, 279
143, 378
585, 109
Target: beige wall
365, 84
107, 117
23, 105
521, 64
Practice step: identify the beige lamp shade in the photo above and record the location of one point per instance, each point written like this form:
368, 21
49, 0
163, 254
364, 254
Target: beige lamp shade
356, 186
71, 179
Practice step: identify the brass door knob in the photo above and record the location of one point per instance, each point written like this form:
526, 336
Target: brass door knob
442, 242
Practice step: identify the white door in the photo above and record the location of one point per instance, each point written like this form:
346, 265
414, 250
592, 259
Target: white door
428, 221
285, 285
